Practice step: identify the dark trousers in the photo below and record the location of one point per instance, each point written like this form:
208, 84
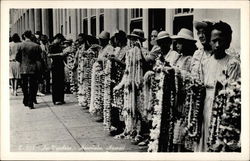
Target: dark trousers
58, 83
29, 83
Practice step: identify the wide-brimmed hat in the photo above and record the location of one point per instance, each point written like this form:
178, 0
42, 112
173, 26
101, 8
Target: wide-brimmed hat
137, 33
184, 34
68, 41
104, 35
163, 35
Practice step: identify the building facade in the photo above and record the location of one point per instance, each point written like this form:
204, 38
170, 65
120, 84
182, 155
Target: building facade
71, 22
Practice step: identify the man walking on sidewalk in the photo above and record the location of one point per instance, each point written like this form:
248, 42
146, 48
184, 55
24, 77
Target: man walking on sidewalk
27, 56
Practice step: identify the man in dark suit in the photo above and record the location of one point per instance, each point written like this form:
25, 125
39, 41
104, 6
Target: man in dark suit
28, 55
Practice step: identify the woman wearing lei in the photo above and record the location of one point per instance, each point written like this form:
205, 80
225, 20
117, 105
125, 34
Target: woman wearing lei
97, 78
132, 82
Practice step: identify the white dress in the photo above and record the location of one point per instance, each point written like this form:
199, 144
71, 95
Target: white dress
212, 70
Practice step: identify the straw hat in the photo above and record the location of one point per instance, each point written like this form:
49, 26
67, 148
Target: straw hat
104, 35
137, 33
68, 41
163, 35
184, 34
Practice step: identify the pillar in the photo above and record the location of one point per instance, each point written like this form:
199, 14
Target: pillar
45, 22
111, 20
123, 20
169, 23
79, 17
89, 21
31, 20
145, 26
97, 21
23, 25
58, 21
63, 22
54, 22
37, 13
73, 24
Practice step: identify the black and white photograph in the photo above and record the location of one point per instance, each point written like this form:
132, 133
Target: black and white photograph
133, 79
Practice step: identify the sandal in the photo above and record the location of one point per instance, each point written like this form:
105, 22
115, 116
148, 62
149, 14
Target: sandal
120, 136
137, 140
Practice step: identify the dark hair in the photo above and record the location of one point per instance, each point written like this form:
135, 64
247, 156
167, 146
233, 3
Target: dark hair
92, 39
208, 30
28, 34
38, 33
226, 31
23, 38
121, 36
59, 36
15, 37
188, 47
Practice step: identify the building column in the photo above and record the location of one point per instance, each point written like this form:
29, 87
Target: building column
45, 22
169, 23
73, 24
23, 24
63, 21
145, 26
79, 17
123, 20
111, 20
37, 13
54, 22
89, 21
31, 20
58, 21
97, 21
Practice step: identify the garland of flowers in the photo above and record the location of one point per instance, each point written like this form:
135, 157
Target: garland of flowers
193, 107
85, 90
157, 96
107, 95
225, 128
97, 90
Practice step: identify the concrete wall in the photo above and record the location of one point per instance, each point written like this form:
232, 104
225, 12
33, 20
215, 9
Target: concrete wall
230, 16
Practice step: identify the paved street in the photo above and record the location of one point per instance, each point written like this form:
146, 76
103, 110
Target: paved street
59, 128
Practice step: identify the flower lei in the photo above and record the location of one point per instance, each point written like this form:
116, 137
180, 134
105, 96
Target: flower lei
87, 62
193, 111
107, 95
225, 128
157, 96
97, 90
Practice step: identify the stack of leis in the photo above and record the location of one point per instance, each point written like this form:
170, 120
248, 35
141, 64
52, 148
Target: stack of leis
87, 60
193, 111
157, 96
107, 95
97, 90
225, 128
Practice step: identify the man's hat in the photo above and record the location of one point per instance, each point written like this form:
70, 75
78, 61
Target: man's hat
184, 34
104, 35
137, 33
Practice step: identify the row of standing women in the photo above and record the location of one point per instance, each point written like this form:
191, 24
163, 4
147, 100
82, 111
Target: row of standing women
166, 98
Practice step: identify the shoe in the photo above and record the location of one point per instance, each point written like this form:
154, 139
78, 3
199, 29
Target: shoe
63, 102
40, 94
136, 140
144, 143
31, 107
35, 101
15, 93
99, 119
58, 103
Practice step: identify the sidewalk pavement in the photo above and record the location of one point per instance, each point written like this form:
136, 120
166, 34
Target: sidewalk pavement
60, 128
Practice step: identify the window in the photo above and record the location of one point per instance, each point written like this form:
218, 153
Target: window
183, 18
183, 11
70, 24
93, 26
85, 26
136, 19
101, 23
136, 13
